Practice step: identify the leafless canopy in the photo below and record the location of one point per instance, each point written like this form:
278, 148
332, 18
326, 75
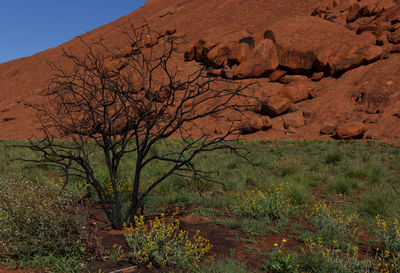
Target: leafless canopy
124, 100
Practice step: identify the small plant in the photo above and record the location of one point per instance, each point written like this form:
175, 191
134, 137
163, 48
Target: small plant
389, 234
91, 245
333, 223
161, 243
319, 258
116, 254
280, 262
272, 204
387, 261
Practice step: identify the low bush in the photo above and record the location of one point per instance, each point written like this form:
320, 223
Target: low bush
162, 244
333, 223
273, 204
37, 224
389, 234
319, 258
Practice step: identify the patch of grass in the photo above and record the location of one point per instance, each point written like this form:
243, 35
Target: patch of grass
288, 166
299, 194
379, 201
342, 185
229, 223
334, 157
207, 212
253, 227
228, 265
57, 264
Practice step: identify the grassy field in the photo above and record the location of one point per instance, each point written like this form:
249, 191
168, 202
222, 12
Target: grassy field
302, 206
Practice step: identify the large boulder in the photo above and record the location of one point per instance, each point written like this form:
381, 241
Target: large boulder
295, 91
262, 60
307, 43
328, 129
293, 120
350, 130
275, 106
239, 53
251, 122
227, 54
230, 50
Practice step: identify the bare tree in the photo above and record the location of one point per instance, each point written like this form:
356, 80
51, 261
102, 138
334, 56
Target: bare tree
125, 100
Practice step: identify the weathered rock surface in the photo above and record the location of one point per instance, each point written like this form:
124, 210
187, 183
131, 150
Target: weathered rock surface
262, 60
312, 44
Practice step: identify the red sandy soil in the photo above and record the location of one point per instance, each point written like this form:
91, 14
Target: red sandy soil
342, 100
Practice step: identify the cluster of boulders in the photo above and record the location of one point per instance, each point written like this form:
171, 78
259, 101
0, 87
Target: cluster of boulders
339, 36
306, 45
266, 109
352, 130
380, 18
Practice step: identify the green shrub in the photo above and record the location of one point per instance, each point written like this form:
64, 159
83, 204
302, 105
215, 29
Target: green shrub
333, 223
299, 194
36, 223
161, 243
318, 258
274, 203
389, 234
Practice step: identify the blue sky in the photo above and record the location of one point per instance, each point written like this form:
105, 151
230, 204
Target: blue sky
30, 26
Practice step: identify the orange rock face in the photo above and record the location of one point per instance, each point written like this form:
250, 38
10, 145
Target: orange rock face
337, 62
